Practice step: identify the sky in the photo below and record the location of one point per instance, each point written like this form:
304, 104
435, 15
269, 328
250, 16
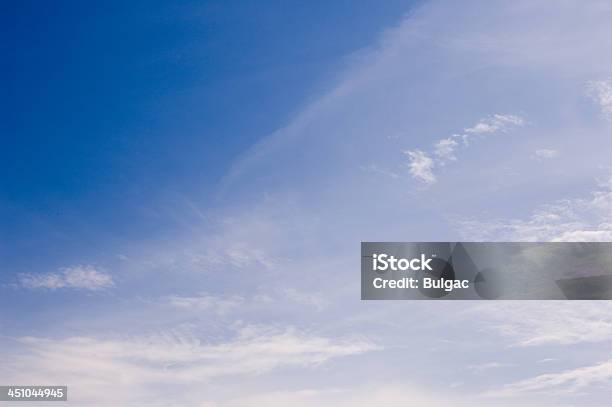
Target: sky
185, 187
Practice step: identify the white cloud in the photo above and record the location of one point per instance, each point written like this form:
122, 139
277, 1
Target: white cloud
79, 277
445, 149
495, 124
574, 381
601, 93
421, 166
545, 153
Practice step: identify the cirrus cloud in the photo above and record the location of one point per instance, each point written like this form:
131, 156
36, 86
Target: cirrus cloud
85, 277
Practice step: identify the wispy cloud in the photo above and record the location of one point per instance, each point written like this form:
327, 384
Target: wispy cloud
421, 164
494, 124
479, 368
84, 277
218, 304
552, 322
601, 93
373, 168
568, 220
445, 149
233, 244
574, 381
223, 304
304, 298
545, 154
175, 358
236, 255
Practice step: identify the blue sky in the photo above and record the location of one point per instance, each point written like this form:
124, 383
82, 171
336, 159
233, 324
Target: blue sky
118, 105
185, 187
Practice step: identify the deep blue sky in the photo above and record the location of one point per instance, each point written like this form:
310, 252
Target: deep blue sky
115, 108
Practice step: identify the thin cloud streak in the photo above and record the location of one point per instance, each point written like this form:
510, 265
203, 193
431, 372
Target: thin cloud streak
83, 277
564, 383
